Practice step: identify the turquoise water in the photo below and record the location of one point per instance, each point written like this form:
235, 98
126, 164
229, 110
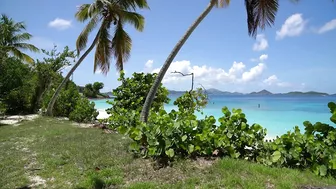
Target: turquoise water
277, 114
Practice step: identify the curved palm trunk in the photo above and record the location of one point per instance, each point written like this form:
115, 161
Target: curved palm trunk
58, 90
157, 82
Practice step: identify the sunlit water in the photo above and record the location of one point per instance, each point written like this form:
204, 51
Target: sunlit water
276, 113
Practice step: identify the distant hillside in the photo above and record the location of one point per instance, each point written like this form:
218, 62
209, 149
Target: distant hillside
173, 92
219, 92
263, 92
211, 91
108, 94
310, 93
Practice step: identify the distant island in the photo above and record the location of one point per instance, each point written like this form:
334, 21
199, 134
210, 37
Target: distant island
213, 91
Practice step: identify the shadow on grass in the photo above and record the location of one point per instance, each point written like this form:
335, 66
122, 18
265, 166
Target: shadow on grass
1, 125
24, 187
97, 184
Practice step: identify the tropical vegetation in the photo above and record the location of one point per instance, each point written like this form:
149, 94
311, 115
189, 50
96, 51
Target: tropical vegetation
168, 136
162, 138
107, 13
13, 39
93, 90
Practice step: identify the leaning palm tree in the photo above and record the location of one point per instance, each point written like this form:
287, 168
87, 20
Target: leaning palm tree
107, 14
260, 13
13, 37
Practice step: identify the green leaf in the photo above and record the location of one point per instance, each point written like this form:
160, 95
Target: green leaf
190, 148
170, 153
276, 156
323, 170
333, 163
243, 126
184, 137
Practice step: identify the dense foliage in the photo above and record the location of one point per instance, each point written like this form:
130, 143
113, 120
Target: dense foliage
84, 111
314, 149
26, 88
129, 98
93, 90
16, 86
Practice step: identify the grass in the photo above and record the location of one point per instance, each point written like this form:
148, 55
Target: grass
50, 153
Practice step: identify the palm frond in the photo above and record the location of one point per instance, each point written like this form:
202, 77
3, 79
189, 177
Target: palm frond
21, 37
133, 18
132, 4
260, 13
20, 55
19, 26
121, 45
26, 46
83, 36
86, 11
103, 51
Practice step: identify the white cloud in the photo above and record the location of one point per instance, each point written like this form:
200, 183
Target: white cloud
293, 26
60, 24
210, 76
149, 64
263, 57
254, 73
261, 43
327, 27
273, 80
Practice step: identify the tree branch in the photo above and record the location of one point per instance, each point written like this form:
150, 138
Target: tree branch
192, 78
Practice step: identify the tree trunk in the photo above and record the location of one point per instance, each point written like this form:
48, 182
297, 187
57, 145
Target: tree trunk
151, 95
58, 90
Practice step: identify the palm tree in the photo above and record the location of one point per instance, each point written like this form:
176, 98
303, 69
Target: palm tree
260, 13
12, 39
107, 13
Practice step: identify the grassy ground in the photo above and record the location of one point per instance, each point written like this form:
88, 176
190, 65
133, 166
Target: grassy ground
48, 153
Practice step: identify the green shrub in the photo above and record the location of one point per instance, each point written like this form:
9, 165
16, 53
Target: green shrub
314, 149
2, 108
181, 134
66, 101
16, 86
84, 111
130, 97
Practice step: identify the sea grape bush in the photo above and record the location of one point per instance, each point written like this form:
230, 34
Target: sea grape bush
130, 96
84, 111
180, 134
314, 149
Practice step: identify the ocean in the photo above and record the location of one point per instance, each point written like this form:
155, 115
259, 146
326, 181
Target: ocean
278, 114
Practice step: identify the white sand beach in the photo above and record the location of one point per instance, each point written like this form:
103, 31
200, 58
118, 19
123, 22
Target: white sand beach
102, 114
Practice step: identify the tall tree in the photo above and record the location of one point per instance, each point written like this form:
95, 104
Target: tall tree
107, 13
260, 13
13, 37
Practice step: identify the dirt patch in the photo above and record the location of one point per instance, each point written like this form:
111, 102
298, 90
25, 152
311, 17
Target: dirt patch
17, 119
37, 181
145, 171
203, 163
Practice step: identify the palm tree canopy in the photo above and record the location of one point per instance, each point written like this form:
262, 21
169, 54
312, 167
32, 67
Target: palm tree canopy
12, 38
107, 13
260, 13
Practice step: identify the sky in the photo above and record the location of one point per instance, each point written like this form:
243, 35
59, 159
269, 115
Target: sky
297, 54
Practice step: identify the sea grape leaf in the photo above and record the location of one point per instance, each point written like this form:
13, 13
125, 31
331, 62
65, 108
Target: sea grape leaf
170, 153
276, 156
